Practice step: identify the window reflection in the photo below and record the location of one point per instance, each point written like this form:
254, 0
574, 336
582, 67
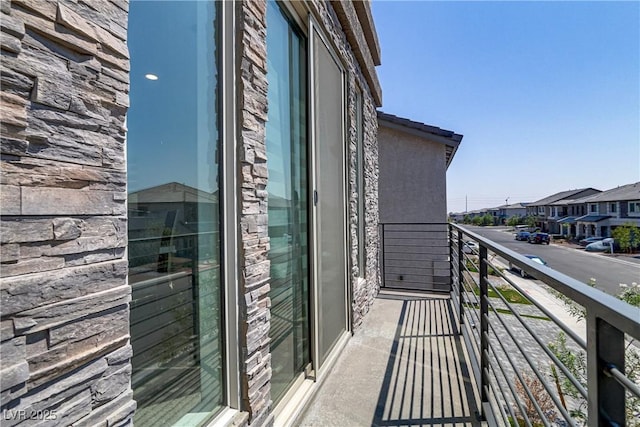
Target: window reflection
288, 211
174, 240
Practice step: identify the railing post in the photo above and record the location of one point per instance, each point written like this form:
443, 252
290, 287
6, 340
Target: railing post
484, 326
381, 256
460, 279
605, 347
450, 240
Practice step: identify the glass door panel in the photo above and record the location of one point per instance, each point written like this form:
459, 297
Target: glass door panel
288, 202
173, 213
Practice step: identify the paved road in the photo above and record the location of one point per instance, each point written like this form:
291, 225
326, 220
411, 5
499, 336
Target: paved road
577, 263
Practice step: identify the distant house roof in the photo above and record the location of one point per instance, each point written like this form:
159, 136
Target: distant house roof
566, 202
449, 138
568, 220
514, 206
172, 192
624, 192
559, 196
592, 218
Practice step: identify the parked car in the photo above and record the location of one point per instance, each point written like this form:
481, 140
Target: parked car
523, 235
534, 258
470, 247
603, 245
539, 238
585, 242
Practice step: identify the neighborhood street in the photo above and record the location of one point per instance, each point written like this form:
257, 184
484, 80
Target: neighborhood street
608, 272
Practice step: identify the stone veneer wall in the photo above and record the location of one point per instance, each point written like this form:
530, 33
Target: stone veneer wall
254, 241
63, 290
64, 313
254, 312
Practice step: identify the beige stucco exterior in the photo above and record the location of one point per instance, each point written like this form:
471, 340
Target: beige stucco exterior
412, 186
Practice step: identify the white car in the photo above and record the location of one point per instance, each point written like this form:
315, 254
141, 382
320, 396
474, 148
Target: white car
534, 258
470, 247
600, 246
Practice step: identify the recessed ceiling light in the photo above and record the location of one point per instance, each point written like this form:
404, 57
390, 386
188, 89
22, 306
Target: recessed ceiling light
151, 76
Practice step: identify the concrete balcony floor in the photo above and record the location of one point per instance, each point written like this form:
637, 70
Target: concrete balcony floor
405, 366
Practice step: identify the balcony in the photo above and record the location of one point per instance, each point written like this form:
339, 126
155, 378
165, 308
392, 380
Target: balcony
496, 350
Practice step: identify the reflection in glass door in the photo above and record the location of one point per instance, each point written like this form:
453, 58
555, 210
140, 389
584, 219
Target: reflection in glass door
173, 213
288, 211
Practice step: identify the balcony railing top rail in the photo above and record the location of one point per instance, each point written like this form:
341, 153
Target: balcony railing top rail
618, 313
506, 342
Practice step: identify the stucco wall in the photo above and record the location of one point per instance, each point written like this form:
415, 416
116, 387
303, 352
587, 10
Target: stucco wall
412, 185
64, 296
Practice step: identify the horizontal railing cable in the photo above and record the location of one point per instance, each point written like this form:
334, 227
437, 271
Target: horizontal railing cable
514, 393
493, 331
493, 389
529, 362
542, 345
615, 373
517, 372
581, 342
618, 313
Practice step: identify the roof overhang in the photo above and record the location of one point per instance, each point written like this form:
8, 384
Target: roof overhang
358, 26
567, 220
449, 139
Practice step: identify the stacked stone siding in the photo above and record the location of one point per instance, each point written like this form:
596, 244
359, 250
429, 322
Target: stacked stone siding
363, 297
64, 325
63, 289
251, 95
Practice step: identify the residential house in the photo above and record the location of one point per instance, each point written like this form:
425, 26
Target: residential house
569, 210
474, 213
456, 216
510, 210
413, 162
189, 206
495, 213
609, 209
547, 213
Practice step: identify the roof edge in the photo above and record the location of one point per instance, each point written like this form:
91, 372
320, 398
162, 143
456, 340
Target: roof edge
446, 136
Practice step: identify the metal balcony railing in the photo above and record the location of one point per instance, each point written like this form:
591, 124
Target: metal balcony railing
530, 367
415, 256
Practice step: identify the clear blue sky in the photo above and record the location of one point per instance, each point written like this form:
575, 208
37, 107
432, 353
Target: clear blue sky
546, 94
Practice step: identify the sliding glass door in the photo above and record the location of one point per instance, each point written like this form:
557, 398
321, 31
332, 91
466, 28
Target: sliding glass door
288, 200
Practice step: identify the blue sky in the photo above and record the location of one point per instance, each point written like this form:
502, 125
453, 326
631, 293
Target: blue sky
546, 94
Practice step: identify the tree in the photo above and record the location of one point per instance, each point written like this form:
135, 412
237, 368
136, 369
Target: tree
530, 220
514, 220
628, 236
487, 219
